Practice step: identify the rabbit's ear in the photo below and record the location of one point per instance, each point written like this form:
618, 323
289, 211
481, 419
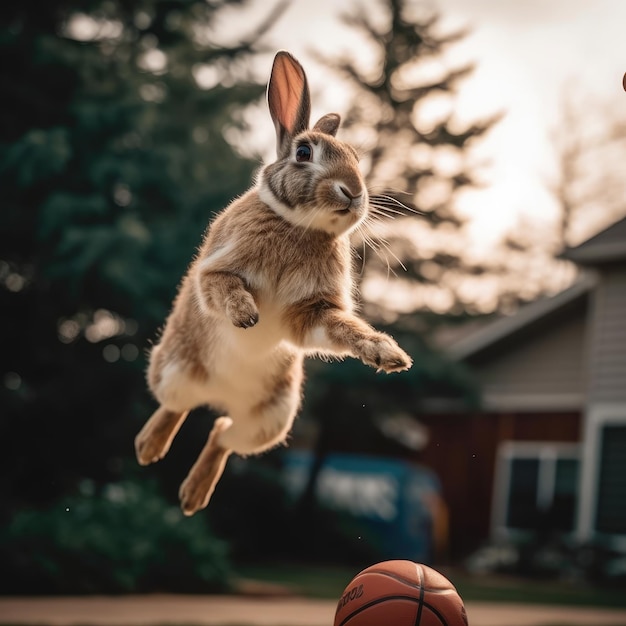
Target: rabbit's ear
289, 100
328, 124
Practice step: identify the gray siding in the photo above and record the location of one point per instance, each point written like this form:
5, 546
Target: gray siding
607, 366
546, 371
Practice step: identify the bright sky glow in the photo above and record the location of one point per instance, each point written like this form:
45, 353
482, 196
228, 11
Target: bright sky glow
526, 54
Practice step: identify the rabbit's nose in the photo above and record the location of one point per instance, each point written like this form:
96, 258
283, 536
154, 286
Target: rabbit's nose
350, 194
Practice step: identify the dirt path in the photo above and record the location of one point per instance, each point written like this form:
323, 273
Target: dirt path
152, 610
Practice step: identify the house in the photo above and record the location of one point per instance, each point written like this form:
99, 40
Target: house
546, 451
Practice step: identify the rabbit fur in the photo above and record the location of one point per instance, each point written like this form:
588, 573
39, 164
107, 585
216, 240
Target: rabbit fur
271, 284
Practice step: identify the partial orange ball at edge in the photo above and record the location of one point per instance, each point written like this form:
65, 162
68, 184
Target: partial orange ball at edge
400, 593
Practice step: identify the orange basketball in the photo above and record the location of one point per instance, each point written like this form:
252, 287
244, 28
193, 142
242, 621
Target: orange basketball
400, 593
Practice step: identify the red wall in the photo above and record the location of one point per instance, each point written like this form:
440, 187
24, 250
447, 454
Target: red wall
462, 451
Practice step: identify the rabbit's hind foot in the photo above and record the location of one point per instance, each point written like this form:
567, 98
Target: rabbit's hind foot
155, 438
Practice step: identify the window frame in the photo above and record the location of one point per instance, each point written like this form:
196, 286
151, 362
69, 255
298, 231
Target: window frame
547, 453
597, 417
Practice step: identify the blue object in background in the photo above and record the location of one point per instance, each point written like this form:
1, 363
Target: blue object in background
389, 496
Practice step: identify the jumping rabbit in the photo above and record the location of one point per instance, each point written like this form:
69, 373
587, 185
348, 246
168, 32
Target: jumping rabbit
271, 284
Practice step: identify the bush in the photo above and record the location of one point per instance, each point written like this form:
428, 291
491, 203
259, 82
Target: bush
125, 538
556, 558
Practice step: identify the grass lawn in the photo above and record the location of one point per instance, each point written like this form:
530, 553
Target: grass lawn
329, 582
509, 589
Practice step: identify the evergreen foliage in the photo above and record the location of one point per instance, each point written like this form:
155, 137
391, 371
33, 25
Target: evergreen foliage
122, 538
418, 152
112, 160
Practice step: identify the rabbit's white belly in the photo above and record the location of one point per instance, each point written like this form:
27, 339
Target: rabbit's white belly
234, 383
238, 386
238, 362
243, 360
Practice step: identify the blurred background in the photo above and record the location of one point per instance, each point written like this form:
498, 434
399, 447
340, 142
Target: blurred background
126, 125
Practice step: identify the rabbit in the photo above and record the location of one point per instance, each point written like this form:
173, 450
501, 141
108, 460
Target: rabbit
271, 284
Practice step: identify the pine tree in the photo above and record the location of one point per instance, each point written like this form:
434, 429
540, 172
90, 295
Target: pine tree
112, 160
413, 157
401, 154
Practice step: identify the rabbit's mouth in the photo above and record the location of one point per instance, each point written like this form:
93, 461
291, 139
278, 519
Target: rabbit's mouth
343, 211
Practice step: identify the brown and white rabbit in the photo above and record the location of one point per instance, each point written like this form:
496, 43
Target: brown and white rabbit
271, 284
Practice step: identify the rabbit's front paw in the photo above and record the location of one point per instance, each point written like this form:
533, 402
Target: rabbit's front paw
241, 309
383, 353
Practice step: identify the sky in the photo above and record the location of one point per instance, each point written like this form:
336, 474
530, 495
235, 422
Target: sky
528, 54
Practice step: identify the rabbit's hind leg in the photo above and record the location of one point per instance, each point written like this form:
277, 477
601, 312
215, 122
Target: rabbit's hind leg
198, 487
251, 431
155, 438
178, 389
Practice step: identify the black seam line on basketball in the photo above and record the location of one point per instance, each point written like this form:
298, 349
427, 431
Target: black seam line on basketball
420, 606
442, 619
374, 603
428, 605
408, 583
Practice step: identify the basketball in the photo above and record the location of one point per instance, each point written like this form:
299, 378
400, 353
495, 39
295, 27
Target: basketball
400, 593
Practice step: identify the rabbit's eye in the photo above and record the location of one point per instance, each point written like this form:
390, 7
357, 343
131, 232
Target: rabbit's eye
303, 153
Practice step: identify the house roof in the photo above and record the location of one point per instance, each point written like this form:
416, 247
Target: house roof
607, 246
525, 317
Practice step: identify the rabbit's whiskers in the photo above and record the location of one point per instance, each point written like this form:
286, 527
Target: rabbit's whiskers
379, 244
253, 269
385, 201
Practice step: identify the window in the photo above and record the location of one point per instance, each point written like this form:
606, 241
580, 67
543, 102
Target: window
536, 487
611, 510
